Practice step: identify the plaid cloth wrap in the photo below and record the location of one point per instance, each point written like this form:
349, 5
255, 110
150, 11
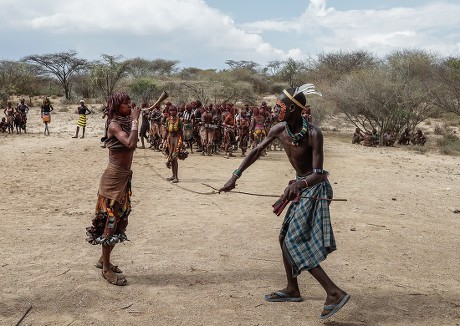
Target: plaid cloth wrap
306, 232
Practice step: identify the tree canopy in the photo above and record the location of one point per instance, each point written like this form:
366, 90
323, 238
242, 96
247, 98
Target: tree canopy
399, 90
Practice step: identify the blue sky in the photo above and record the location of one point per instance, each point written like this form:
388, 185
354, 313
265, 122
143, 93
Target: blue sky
206, 33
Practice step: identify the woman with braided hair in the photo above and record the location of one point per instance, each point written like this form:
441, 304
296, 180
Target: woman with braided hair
174, 143
306, 235
45, 113
114, 195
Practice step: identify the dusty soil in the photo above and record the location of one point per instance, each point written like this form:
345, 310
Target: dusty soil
198, 259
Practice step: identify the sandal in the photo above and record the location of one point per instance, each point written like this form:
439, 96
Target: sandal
118, 280
114, 268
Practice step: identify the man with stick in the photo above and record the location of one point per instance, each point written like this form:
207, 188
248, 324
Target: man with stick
306, 236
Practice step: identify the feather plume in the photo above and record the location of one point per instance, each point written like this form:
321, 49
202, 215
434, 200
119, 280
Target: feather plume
307, 89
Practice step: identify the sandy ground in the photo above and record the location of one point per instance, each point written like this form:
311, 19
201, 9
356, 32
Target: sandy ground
200, 259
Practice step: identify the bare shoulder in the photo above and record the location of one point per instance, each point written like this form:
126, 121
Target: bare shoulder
315, 136
114, 128
113, 125
277, 129
314, 130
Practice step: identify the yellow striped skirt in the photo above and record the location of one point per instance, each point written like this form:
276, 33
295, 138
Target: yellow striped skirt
82, 120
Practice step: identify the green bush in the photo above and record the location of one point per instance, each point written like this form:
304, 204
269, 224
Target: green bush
143, 89
449, 144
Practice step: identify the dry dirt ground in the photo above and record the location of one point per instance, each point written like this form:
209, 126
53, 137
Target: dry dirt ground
198, 259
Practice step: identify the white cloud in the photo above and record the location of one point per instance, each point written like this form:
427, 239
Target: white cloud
318, 8
188, 23
191, 31
379, 31
295, 54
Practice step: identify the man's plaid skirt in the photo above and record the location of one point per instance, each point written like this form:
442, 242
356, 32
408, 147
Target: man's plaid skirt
307, 231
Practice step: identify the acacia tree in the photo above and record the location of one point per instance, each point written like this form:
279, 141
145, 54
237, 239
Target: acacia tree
7, 83
273, 67
413, 70
139, 67
194, 73
163, 67
367, 99
243, 64
335, 64
197, 91
19, 78
232, 91
60, 65
291, 72
445, 90
107, 72
374, 98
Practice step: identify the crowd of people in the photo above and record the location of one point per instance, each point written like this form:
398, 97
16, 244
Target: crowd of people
209, 129
389, 138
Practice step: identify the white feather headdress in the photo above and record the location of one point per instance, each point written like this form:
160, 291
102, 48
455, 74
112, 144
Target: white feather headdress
307, 89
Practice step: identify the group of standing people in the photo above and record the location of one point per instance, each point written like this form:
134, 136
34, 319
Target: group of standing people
306, 236
15, 118
210, 129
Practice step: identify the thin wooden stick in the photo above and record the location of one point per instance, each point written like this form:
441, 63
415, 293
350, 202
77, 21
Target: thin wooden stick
272, 260
189, 190
24, 316
272, 196
126, 307
63, 272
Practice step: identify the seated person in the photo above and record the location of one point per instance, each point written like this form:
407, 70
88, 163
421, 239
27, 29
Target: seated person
368, 139
357, 137
405, 137
389, 138
375, 137
419, 138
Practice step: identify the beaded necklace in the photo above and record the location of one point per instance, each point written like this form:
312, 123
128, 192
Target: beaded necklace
297, 137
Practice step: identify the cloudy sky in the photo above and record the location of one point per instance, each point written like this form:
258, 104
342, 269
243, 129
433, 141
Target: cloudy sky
206, 33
